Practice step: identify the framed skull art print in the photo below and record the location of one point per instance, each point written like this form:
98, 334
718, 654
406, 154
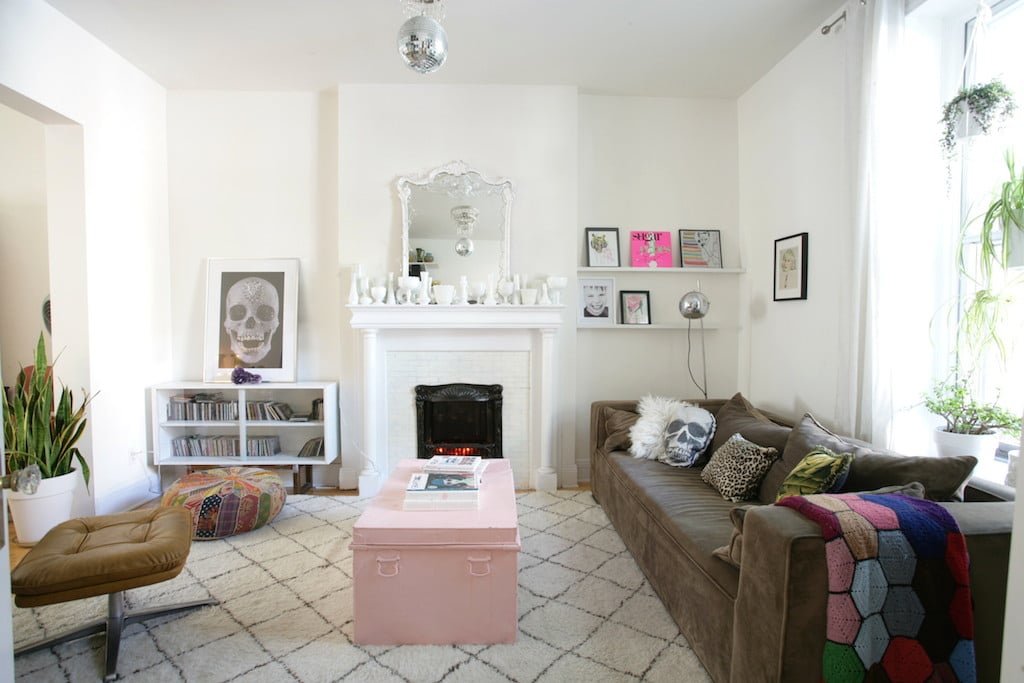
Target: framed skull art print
251, 307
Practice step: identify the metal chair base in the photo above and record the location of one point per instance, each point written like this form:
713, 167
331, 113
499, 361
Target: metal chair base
117, 618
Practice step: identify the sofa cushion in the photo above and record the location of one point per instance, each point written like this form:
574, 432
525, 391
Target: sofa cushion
647, 435
738, 416
737, 468
943, 477
820, 471
618, 424
692, 513
874, 468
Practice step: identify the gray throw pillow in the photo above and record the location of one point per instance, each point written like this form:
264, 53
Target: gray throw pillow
738, 416
872, 468
618, 424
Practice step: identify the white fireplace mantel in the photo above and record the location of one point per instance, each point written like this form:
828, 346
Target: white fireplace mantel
456, 327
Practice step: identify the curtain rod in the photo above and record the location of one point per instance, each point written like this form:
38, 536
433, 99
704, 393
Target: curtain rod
827, 28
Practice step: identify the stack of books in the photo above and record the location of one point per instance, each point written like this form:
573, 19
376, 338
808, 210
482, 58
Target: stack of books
446, 483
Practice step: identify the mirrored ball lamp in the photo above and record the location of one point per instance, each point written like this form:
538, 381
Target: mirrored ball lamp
422, 42
694, 305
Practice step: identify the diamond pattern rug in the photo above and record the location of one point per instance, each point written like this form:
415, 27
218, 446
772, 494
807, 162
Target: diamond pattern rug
586, 612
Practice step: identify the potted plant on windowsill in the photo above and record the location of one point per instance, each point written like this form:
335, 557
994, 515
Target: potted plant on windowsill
971, 427
42, 432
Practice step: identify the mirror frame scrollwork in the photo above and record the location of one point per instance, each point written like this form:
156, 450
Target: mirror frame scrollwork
502, 186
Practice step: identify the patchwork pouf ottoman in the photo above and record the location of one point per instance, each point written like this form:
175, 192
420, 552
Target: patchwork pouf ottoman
226, 501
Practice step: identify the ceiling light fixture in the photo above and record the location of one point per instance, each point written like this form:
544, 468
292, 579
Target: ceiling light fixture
422, 40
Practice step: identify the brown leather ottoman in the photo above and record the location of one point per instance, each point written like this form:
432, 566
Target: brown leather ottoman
105, 555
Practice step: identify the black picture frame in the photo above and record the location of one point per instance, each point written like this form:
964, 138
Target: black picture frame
700, 248
602, 246
635, 307
789, 274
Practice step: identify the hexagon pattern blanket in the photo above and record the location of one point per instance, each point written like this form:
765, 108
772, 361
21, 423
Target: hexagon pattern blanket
899, 604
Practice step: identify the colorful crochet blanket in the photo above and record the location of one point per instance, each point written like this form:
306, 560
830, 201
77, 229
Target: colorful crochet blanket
899, 604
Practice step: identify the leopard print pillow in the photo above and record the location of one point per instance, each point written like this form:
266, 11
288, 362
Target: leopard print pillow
737, 468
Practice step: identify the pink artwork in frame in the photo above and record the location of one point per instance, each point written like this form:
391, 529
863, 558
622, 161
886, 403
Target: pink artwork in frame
650, 248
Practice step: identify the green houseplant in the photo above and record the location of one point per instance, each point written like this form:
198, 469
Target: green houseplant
987, 105
954, 402
971, 427
41, 431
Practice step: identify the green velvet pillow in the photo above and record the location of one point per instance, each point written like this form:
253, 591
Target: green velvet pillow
820, 471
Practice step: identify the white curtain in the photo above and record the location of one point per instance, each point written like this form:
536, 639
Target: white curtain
889, 292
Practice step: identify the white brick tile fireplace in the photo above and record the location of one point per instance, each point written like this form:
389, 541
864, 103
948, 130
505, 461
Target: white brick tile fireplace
408, 345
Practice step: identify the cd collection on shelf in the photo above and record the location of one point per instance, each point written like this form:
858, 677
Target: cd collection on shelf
268, 410
314, 448
202, 407
224, 446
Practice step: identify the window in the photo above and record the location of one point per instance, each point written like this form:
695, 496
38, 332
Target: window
998, 53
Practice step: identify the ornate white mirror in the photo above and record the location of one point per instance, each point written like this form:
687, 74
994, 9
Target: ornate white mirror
455, 222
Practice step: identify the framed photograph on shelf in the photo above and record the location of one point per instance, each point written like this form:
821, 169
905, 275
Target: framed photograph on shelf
251, 315
791, 267
635, 307
595, 304
700, 248
650, 248
603, 248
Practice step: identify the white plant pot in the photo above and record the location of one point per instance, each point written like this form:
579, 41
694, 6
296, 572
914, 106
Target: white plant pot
981, 446
36, 514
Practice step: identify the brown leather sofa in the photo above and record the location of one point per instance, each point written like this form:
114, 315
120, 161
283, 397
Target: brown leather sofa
764, 620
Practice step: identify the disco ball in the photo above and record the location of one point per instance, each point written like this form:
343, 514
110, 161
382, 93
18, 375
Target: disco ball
694, 305
464, 246
423, 44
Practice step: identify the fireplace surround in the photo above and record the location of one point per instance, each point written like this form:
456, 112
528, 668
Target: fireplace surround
393, 333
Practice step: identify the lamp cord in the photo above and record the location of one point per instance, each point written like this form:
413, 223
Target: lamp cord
689, 350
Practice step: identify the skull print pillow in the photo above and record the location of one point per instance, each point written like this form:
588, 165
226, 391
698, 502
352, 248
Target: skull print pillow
688, 436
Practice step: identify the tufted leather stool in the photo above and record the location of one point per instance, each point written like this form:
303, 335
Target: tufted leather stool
105, 555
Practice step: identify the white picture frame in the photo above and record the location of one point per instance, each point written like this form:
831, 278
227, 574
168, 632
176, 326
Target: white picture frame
241, 329
592, 291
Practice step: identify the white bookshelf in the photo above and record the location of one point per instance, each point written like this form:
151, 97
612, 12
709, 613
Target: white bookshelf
299, 396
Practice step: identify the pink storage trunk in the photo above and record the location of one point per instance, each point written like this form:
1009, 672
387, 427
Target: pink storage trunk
437, 577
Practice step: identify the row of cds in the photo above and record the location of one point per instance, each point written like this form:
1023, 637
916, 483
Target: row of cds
224, 446
201, 407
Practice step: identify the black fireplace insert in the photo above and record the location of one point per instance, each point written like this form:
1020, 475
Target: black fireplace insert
458, 419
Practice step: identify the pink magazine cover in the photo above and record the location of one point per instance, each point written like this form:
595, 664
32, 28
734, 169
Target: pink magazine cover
650, 248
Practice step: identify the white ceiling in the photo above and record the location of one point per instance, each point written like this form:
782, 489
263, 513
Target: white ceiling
679, 48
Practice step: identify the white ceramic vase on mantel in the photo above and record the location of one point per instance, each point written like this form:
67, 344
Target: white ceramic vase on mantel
981, 446
35, 514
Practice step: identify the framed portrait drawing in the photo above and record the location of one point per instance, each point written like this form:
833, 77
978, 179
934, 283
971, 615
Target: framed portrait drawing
603, 248
635, 307
595, 303
650, 249
700, 248
791, 267
251, 316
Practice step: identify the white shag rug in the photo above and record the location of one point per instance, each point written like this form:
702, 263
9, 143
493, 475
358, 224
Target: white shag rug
586, 612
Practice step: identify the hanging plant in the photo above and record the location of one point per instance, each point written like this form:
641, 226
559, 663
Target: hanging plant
989, 105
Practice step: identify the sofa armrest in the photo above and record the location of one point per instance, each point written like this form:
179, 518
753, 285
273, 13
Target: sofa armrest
985, 491
779, 618
780, 614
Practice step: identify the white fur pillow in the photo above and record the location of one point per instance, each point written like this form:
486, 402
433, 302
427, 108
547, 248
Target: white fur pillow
648, 434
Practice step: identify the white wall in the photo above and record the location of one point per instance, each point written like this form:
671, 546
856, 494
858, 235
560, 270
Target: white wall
658, 164
107, 214
791, 139
24, 258
254, 175
526, 134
